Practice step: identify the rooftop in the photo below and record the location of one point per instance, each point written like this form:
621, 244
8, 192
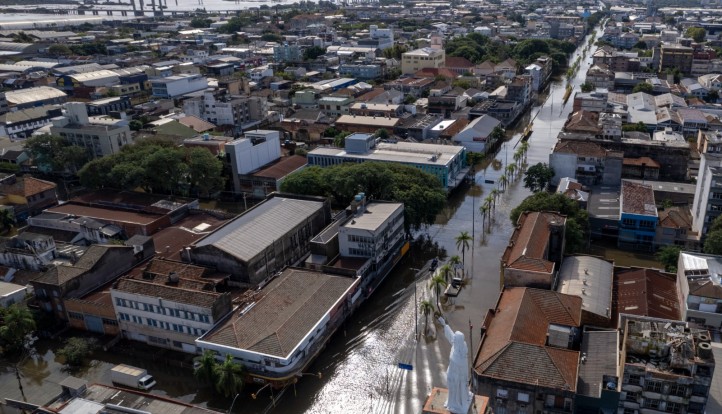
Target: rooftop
253, 231
528, 244
600, 355
514, 345
373, 216
30, 95
646, 292
589, 278
292, 305
402, 152
637, 199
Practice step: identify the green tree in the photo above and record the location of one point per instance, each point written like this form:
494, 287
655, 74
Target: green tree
55, 154
538, 177
135, 125
59, 50
382, 133
426, 308
454, 262
422, 193
76, 350
668, 256
200, 22
696, 33
638, 127
643, 87
16, 325
640, 45
463, 242
577, 225
204, 172
313, 52
437, 284
713, 243
229, 377
712, 96
7, 220
587, 87
207, 368
445, 271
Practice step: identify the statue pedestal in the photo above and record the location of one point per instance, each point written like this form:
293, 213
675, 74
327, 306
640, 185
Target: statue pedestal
435, 403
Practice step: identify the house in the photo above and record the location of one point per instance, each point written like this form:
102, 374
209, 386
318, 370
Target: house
477, 134
643, 168
586, 161
98, 265
637, 216
675, 228
27, 195
527, 357
11, 293
583, 122
169, 304
458, 64
573, 189
534, 254
254, 246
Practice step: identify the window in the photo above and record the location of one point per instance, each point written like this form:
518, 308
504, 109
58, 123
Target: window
502, 393
522, 397
673, 407
631, 396
110, 322
678, 389
650, 403
654, 386
628, 222
75, 315
635, 379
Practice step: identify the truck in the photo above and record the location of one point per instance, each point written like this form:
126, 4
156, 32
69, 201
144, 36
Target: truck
131, 377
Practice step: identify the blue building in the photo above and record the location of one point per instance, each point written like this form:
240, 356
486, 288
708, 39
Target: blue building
637, 216
447, 162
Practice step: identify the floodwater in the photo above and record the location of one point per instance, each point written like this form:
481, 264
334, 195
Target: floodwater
359, 366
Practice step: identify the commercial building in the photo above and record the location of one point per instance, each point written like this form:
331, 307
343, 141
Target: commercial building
665, 366
236, 111
169, 304
99, 135
587, 162
278, 333
22, 123
428, 57
707, 205
263, 240
646, 292
534, 254
675, 56
589, 278
177, 85
526, 361
637, 216
698, 276
37, 96
477, 134
255, 150
446, 162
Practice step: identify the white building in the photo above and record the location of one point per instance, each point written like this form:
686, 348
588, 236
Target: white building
237, 111
257, 74
385, 37
175, 86
707, 203
253, 151
698, 278
10, 293
428, 57
476, 134
99, 135
164, 306
373, 232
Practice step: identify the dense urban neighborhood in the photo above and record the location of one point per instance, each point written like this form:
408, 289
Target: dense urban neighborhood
365, 206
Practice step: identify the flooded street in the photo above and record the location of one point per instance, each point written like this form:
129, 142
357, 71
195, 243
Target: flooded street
359, 366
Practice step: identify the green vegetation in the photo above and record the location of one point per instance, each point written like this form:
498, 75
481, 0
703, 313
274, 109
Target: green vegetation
77, 350
538, 177
463, 243
313, 52
638, 127
577, 218
226, 378
200, 22
157, 167
17, 325
668, 256
643, 87
422, 193
587, 87
713, 238
696, 33
88, 49
51, 153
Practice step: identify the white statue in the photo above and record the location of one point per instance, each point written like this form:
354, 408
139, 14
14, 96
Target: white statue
457, 374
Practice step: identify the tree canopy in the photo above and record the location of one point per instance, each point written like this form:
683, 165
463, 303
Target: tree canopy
577, 225
668, 256
157, 167
713, 238
643, 87
538, 176
696, 33
422, 193
56, 154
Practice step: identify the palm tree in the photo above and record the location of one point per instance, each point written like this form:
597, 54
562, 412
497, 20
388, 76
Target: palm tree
517, 157
426, 308
454, 262
524, 149
436, 284
17, 324
229, 377
510, 170
484, 209
444, 271
207, 368
495, 193
490, 201
463, 242
503, 181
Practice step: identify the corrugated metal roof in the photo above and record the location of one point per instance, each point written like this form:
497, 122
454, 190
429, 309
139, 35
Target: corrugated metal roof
40, 93
251, 233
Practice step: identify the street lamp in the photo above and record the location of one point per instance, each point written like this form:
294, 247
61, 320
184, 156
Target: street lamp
268, 384
233, 403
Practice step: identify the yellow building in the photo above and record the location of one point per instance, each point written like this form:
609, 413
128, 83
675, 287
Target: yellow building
428, 57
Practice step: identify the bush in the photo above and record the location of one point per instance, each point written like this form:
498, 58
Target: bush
77, 350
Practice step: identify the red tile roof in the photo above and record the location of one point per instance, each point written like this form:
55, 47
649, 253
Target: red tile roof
646, 292
283, 167
28, 186
514, 345
458, 62
528, 243
637, 199
646, 161
583, 148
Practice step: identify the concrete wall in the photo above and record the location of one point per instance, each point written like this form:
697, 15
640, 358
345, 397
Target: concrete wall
524, 278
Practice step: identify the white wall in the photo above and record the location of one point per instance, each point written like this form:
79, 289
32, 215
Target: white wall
246, 157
